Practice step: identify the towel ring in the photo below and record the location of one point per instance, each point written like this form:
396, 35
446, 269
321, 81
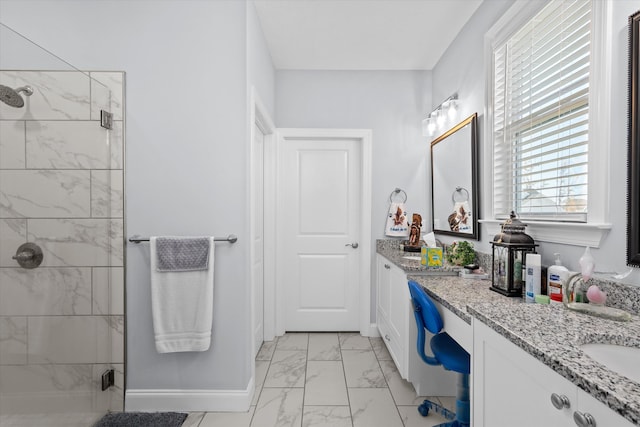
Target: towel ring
460, 190
396, 192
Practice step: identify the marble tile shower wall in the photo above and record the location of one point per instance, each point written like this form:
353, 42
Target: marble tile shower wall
61, 186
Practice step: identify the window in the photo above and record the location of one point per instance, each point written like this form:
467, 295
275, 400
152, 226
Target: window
540, 121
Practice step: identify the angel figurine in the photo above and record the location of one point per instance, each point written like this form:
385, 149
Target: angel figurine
416, 225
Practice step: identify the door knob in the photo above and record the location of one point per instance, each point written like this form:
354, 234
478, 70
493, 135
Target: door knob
354, 245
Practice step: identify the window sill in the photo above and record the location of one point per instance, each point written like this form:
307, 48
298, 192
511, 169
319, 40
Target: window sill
578, 234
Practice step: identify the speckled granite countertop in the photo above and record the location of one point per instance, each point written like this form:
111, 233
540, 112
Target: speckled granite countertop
554, 334
390, 249
451, 291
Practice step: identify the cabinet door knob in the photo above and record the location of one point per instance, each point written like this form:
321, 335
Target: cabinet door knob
584, 419
387, 266
560, 401
386, 337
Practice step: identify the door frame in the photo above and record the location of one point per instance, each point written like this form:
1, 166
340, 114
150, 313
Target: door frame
260, 117
274, 293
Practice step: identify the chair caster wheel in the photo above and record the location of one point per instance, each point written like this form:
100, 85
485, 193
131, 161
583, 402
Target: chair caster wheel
423, 409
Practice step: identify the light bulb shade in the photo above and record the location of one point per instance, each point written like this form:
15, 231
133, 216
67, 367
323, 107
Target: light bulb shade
431, 128
425, 127
452, 109
441, 118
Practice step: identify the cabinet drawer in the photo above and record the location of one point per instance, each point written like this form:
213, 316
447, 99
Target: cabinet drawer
459, 330
393, 343
602, 414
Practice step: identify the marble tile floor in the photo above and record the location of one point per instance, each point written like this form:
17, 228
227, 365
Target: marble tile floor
70, 419
326, 380
306, 380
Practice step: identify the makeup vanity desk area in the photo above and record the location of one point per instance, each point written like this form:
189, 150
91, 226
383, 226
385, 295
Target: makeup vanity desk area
451, 293
396, 322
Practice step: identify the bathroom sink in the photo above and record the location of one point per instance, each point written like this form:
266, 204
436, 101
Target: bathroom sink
620, 359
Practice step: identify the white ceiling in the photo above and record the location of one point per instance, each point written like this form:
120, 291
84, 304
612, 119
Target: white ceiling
361, 34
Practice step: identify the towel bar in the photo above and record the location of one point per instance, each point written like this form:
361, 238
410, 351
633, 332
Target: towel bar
231, 238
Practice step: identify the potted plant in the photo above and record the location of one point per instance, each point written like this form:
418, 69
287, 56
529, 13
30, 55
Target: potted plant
461, 253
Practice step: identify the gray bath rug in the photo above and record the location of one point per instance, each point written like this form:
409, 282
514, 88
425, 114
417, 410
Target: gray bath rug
142, 419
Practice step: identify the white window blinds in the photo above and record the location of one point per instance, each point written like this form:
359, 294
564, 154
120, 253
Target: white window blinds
541, 115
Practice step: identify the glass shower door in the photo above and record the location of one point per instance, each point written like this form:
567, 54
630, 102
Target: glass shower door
61, 240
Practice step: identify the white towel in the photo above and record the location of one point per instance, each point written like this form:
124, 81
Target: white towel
397, 222
181, 306
460, 220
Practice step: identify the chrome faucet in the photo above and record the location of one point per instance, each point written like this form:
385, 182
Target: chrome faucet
574, 285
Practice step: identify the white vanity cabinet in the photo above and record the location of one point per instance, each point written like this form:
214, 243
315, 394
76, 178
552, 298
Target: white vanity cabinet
398, 330
393, 310
512, 388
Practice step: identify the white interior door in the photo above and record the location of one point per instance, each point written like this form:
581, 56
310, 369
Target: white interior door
319, 210
257, 233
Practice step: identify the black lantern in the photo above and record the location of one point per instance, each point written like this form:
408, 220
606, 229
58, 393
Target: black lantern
508, 257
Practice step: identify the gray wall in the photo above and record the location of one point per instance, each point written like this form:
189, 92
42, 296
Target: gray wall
261, 73
391, 103
462, 69
186, 152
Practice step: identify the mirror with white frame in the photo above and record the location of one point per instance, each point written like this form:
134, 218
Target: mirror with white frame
454, 181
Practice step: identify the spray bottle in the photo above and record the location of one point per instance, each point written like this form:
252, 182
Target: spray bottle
555, 274
532, 282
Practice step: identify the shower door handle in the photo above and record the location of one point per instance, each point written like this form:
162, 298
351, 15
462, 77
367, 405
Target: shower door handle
29, 255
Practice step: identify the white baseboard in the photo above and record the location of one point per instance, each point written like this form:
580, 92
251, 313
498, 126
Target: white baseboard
146, 400
373, 331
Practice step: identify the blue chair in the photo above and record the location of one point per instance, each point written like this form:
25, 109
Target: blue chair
446, 352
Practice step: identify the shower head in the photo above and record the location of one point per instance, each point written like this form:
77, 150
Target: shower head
12, 97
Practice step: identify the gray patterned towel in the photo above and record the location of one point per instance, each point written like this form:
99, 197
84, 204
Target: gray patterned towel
183, 253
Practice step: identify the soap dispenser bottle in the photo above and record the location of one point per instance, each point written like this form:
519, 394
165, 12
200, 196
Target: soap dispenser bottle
555, 275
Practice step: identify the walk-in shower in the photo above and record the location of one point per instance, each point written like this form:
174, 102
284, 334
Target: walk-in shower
12, 97
61, 239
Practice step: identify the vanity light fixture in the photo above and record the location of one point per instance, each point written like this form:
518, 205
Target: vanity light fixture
447, 110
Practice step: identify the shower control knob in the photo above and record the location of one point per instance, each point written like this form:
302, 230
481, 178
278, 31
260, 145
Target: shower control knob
29, 255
